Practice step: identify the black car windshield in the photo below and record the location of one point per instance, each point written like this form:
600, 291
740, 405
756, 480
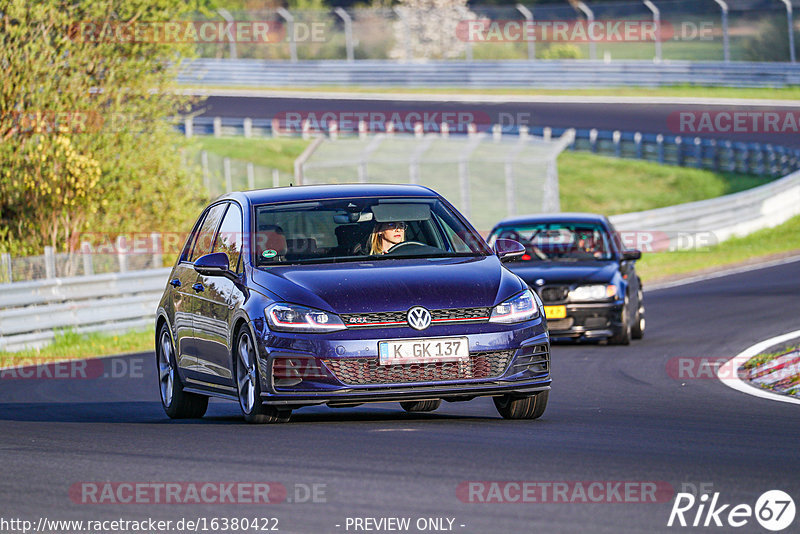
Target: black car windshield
559, 241
355, 229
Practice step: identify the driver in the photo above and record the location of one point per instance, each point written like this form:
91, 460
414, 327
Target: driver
386, 235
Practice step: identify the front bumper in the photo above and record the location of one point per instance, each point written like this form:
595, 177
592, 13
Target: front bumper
587, 321
341, 368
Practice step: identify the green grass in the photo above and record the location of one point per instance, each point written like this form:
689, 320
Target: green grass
600, 184
770, 241
687, 91
276, 153
69, 345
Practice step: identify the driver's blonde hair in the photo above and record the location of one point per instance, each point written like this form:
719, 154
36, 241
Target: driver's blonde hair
375, 240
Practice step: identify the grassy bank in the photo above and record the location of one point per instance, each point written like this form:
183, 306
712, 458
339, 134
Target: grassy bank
68, 345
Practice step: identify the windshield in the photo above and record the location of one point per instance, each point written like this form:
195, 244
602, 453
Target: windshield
355, 229
561, 241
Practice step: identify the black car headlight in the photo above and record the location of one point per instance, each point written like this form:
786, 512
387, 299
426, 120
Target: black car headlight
593, 292
517, 309
285, 317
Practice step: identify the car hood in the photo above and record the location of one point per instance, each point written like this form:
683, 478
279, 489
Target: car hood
392, 285
565, 273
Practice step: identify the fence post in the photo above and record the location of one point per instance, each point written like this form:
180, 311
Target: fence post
790, 22
276, 178
275, 126
657, 22
122, 256
251, 175
497, 133
616, 136
204, 165
226, 169
49, 262
445, 130
660, 148
593, 140
225, 14
637, 139
362, 129
86, 252
590, 18
6, 260
547, 133
248, 127
217, 126
290, 31
348, 32
679, 151
188, 126
726, 48
529, 21
714, 155
524, 133
698, 152
158, 257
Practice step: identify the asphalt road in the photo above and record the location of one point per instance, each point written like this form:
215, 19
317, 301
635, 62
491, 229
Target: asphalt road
629, 116
615, 414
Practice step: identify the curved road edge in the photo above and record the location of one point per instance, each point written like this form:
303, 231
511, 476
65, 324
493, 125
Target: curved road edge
727, 372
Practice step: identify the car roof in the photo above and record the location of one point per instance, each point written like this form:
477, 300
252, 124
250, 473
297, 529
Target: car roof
553, 218
329, 191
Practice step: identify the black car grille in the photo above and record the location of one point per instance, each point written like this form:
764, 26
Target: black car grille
534, 358
368, 371
398, 318
557, 325
554, 293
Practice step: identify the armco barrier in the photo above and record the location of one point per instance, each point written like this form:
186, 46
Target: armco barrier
511, 73
31, 311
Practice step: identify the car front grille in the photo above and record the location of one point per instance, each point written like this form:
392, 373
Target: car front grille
560, 324
554, 293
534, 358
368, 371
398, 318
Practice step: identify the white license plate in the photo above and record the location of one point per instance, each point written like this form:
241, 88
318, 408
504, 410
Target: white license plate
423, 350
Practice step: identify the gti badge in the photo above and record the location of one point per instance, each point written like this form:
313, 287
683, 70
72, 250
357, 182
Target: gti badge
539, 282
419, 318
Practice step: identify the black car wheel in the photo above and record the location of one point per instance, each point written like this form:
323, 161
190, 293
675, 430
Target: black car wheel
248, 384
637, 328
530, 407
177, 403
623, 334
421, 406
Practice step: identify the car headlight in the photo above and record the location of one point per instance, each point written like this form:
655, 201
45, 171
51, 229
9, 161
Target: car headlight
593, 292
293, 318
520, 308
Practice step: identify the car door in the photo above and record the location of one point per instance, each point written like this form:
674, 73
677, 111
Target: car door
192, 362
215, 303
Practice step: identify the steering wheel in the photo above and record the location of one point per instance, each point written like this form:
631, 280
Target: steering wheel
403, 244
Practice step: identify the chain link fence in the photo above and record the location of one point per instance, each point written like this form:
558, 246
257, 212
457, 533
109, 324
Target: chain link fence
486, 176
698, 30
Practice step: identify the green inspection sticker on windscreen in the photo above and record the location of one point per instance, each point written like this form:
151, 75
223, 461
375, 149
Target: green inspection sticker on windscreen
269, 253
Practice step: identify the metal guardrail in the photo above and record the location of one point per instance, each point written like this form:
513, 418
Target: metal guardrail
708, 222
30, 312
511, 73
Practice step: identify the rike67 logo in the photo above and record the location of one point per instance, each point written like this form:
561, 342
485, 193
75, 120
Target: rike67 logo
774, 510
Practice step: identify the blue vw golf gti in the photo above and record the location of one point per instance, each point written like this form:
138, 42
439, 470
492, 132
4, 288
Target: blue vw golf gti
342, 295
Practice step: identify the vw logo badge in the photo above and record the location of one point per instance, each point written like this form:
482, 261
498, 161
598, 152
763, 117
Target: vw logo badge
419, 318
539, 282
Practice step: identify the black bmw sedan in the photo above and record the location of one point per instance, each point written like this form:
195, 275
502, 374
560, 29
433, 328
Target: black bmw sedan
586, 279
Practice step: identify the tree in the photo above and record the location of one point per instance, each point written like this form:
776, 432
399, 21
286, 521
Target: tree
431, 28
86, 144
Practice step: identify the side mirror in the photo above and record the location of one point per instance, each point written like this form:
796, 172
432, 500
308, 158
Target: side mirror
507, 249
630, 255
214, 264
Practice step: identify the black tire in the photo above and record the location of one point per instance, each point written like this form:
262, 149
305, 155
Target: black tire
248, 383
177, 404
529, 407
623, 334
638, 325
421, 406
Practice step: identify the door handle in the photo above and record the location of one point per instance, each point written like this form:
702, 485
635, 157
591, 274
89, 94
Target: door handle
175, 282
198, 287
